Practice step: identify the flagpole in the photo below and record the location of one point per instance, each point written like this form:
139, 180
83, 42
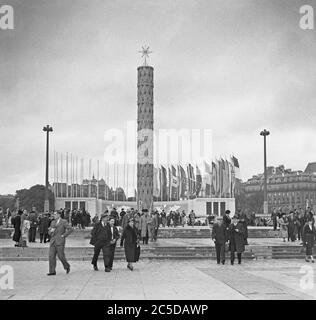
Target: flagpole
98, 163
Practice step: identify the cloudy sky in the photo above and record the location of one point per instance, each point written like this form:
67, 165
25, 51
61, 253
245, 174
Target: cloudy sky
235, 67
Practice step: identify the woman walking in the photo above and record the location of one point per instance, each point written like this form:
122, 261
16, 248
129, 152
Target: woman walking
309, 240
237, 235
131, 244
16, 221
25, 227
283, 227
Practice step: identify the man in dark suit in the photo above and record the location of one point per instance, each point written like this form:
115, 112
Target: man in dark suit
114, 235
58, 231
219, 237
100, 239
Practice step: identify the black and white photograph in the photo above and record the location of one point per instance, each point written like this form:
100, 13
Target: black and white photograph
159, 151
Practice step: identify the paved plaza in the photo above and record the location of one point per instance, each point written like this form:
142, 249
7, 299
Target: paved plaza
152, 279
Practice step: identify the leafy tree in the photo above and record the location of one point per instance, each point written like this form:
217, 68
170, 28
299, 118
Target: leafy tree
7, 201
34, 197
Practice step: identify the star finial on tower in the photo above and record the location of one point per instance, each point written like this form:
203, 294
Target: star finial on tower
145, 54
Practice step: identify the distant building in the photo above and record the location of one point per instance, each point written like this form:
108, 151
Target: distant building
286, 188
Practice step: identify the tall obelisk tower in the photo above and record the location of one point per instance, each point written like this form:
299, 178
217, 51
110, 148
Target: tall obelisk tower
145, 126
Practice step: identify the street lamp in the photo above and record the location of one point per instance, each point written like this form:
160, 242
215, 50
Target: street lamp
47, 129
265, 133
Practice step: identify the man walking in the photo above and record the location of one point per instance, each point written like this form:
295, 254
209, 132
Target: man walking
100, 240
114, 236
33, 226
58, 231
219, 237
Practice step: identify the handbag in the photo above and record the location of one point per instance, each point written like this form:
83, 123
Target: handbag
137, 253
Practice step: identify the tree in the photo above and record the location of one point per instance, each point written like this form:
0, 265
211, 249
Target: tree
34, 197
250, 202
7, 201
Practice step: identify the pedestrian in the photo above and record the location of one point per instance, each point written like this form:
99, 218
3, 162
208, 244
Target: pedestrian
16, 222
136, 222
219, 237
33, 226
114, 236
309, 240
283, 226
25, 228
125, 219
131, 244
274, 218
155, 225
227, 221
144, 226
151, 227
59, 230
100, 240
122, 214
236, 234
43, 225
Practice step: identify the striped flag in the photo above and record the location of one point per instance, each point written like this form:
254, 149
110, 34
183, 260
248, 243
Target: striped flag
198, 181
183, 182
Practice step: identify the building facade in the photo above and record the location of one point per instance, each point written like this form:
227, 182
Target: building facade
286, 188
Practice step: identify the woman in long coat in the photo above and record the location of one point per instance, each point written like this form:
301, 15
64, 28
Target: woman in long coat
236, 234
25, 227
144, 228
131, 244
283, 226
16, 221
309, 239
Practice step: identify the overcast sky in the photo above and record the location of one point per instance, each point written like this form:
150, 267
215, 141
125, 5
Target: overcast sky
235, 67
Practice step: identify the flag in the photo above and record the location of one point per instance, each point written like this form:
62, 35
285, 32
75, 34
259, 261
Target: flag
236, 167
173, 179
183, 182
226, 182
207, 179
214, 179
163, 184
156, 191
198, 181
191, 179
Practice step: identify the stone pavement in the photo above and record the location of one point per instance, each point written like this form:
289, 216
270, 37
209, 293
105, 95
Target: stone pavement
162, 280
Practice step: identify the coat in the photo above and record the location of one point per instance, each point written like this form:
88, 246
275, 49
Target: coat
16, 221
236, 238
100, 236
309, 236
137, 221
43, 225
129, 239
143, 226
219, 233
25, 227
59, 232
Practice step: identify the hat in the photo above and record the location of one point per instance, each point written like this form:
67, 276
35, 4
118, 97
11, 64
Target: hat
227, 212
103, 215
131, 219
235, 217
144, 210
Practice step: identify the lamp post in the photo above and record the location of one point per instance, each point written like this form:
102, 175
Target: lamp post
47, 129
265, 133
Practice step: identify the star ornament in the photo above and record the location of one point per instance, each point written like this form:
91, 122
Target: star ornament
145, 53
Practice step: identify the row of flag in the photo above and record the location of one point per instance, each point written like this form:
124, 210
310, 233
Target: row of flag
178, 182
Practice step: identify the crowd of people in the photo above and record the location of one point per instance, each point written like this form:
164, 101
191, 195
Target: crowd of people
28, 225
134, 226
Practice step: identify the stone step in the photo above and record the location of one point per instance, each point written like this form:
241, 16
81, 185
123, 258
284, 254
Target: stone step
166, 233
